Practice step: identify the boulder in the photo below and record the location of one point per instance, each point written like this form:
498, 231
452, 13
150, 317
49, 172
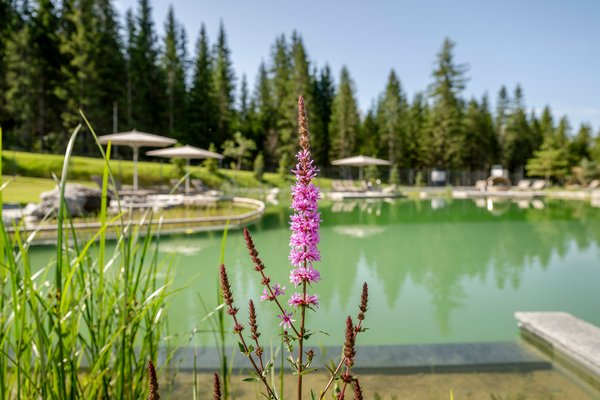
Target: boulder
80, 200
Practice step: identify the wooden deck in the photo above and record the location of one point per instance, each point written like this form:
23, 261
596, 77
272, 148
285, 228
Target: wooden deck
567, 338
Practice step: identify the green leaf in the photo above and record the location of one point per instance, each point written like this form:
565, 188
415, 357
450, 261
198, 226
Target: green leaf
313, 396
308, 371
251, 379
242, 348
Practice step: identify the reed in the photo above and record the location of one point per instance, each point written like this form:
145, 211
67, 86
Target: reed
85, 324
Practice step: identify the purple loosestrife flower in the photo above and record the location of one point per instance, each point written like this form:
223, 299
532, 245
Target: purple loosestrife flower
277, 291
286, 320
306, 219
296, 300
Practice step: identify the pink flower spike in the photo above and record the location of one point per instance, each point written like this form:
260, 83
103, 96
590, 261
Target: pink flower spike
297, 300
312, 300
277, 291
265, 296
286, 320
301, 274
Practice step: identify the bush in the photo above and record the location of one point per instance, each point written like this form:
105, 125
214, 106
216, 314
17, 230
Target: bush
259, 167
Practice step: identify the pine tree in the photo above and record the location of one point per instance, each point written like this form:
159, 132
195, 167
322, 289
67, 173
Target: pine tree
447, 112
78, 45
148, 92
174, 68
202, 115
33, 62
579, 148
520, 141
301, 84
344, 119
224, 79
368, 142
280, 71
480, 147
547, 124
9, 18
244, 110
502, 111
111, 69
416, 133
323, 95
264, 118
392, 112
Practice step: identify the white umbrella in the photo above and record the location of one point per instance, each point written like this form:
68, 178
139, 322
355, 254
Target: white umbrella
135, 140
360, 161
186, 152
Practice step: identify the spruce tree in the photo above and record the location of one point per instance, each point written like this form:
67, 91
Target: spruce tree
480, 147
579, 148
202, 110
9, 17
416, 133
148, 92
392, 121
518, 143
369, 142
281, 138
224, 83
344, 118
502, 112
264, 118
174, 68
33, 62
78, 45
447, 112
110, 69
323, 94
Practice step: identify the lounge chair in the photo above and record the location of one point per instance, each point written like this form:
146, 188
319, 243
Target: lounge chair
199, 186
481, 185
338, 186
498, 183
349, 186
539, 184
524, 184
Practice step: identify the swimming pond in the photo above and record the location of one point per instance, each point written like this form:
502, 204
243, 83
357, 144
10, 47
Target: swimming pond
439, 271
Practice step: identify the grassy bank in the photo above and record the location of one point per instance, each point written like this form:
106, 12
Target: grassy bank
30, 165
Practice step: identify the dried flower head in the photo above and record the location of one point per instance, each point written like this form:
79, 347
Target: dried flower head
358, 395
349, 351
152, 382
216, 387
252, 321
225, 286
258, 264
364, 299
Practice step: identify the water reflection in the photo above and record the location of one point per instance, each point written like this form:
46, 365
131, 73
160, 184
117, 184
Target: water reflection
448, 271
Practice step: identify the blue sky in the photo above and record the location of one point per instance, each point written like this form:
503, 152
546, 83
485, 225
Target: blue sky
551, 48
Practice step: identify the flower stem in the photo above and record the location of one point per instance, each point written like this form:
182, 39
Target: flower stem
337, 369
301, 343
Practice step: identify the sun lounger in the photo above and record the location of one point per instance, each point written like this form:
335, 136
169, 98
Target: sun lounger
481, 185
199, 186
524, 184
538, 184
338, 186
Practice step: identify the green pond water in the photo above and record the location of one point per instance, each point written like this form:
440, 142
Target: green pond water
439, 271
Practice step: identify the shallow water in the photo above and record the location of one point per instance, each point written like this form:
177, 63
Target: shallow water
439, 271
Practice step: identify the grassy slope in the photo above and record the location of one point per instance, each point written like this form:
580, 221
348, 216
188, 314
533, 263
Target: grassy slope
35, 174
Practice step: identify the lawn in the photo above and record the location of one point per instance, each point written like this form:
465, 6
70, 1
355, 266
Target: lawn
24, 189
34, 172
